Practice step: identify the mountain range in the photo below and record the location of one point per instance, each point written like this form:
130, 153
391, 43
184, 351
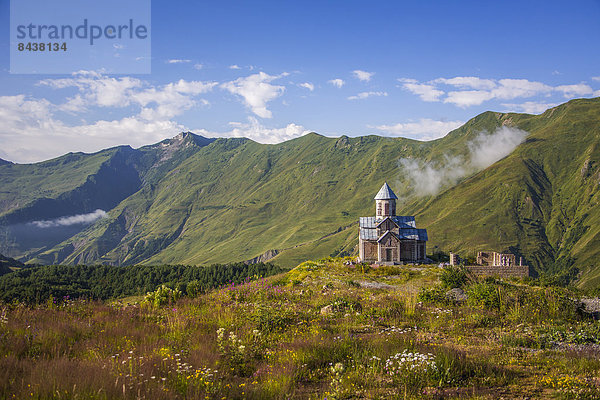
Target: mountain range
503, 181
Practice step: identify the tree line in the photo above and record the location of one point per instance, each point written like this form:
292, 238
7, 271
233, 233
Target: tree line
102, 282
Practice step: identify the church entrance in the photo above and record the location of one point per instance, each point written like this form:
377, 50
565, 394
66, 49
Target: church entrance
389, 255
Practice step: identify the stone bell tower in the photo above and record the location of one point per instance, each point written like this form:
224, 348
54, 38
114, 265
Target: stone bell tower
385, 202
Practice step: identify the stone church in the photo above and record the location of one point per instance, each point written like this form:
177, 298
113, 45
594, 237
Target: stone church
389, 239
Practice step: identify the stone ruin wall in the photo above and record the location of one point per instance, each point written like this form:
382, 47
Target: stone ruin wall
503, 272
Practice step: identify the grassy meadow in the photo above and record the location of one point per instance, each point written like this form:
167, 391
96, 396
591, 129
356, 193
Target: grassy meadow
322, 330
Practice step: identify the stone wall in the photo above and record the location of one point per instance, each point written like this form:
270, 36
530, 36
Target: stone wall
370, 251
503, 272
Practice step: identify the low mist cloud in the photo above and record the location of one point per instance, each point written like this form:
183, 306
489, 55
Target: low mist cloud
71, 220
487, 149
429, 177
426, 178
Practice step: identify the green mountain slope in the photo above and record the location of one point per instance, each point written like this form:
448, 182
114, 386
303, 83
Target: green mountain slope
196, 201
541, 201
76, 184
235, 199
7, 264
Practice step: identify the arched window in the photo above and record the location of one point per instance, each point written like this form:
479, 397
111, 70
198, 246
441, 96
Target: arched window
387, 208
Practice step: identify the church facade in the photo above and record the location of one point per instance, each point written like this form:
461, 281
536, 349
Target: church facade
389, 239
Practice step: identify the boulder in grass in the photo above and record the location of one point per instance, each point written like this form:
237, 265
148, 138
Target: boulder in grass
327, 310
456, 294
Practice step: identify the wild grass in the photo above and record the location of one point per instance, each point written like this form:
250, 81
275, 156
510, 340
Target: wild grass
308, 334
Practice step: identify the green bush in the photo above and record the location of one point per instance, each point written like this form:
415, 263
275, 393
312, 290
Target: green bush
193, 288
268, 319
454, 277
161, 296
432, 295
484, 295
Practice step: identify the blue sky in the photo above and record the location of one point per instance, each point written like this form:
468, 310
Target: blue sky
274, 70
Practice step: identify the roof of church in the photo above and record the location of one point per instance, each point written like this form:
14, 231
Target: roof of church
383, 235
385, 193
408, 229
402, 221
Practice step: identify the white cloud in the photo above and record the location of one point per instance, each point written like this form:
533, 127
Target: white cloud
338, 83
29, 130
364, 95
471, 82
171, 99
425, 91
257, 91
190, 87
530, 107
253, 129
363, 75
580, 89
468, 98
307, 85
71, 219
235, 66
118, 46
99, 90
19, 110
424, 129
471, 91
596, 78
33, 141
506, 89
513, 88
73, 105
486, 148
198, 66
429, 177
178, 61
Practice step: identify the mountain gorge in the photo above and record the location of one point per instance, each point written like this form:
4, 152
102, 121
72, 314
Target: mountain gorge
195, 200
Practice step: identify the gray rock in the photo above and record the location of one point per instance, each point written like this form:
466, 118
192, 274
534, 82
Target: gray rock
375, 285
456, 294
591, 305
327, 310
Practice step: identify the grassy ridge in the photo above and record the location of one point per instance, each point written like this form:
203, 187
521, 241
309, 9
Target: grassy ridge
323, 330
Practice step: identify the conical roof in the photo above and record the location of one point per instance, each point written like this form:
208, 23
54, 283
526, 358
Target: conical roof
385, 193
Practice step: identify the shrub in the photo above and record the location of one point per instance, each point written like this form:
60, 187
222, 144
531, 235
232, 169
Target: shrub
337, 372
233, 352
433, 295
583, 334
193, 288
484, 295
267, 319
454, 277
161, 296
